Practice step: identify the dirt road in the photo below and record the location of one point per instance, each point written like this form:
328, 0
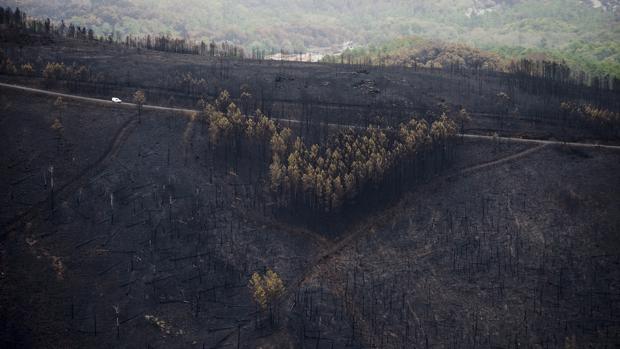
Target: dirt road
189, 111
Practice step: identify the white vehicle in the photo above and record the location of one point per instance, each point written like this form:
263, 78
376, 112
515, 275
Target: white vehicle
116, 100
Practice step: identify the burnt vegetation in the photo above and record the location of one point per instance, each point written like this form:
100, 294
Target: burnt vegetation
232, 201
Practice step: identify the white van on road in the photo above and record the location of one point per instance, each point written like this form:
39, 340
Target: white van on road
116, 100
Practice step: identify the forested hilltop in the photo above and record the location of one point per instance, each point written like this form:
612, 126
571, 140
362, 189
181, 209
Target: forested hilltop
582, 32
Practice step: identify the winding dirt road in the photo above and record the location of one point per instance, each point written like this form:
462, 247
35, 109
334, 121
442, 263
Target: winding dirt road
190, 111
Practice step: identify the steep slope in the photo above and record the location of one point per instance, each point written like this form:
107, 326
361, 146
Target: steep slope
514, 244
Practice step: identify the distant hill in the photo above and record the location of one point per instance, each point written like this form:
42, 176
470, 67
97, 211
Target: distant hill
417, 51
583, 32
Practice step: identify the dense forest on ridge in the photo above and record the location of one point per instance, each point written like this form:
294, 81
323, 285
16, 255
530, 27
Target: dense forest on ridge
582, 33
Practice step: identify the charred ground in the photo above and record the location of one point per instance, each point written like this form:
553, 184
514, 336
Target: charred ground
148, 239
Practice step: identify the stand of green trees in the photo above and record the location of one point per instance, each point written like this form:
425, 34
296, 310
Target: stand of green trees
323, 178
605, 122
